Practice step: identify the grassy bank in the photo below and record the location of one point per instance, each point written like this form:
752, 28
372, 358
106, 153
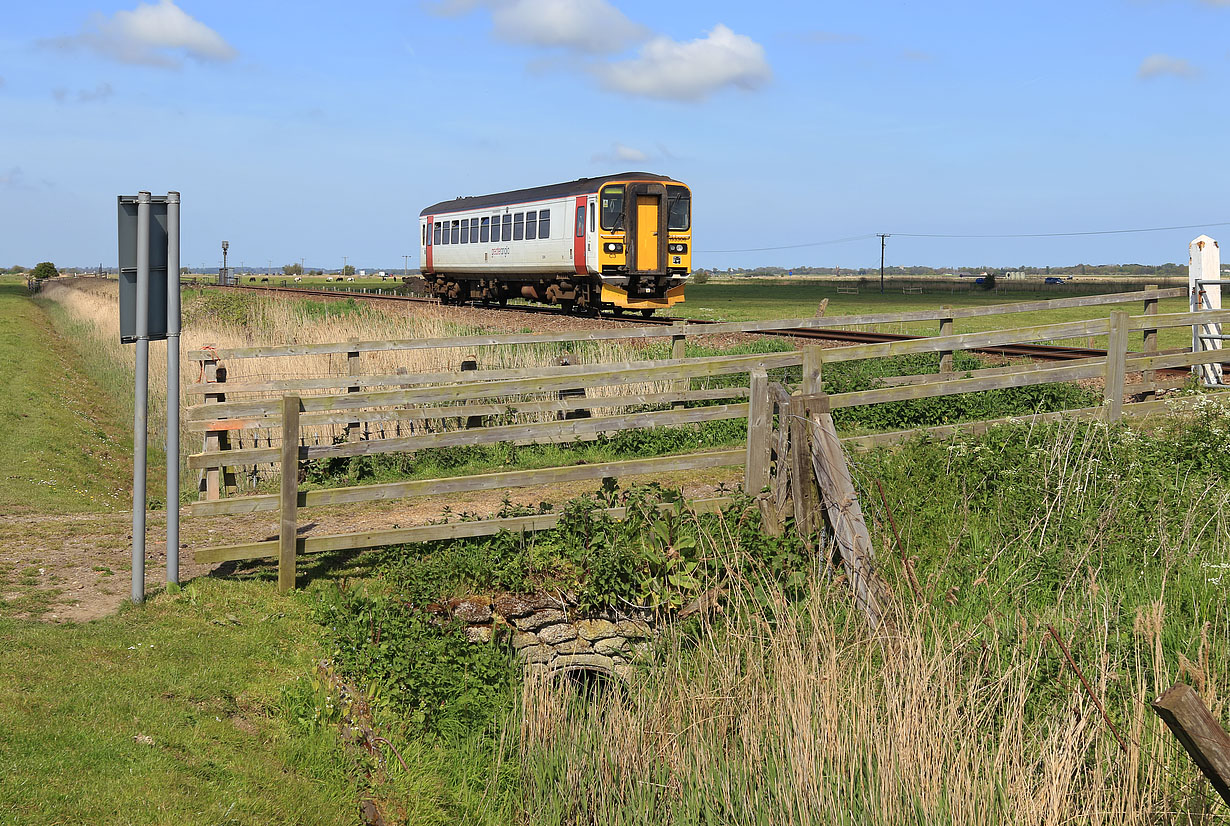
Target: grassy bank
62, 442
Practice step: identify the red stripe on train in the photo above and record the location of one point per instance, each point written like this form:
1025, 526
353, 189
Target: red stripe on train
427, 248
578, 236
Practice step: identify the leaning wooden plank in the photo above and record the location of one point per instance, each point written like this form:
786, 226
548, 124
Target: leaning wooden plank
1061, 373
1200, 733
845, 517
419, 414
549, 432
485, 481
970, 341
685, 329
420, 533
610, 376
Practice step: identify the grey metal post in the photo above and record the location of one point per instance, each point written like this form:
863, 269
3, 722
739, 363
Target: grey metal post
141, 414
173, 324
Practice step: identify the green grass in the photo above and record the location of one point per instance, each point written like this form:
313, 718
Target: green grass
167, 713
768, 298
63, 448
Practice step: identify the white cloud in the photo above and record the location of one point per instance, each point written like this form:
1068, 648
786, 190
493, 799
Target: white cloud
1160, 65
619, 153
690, 71
14, 178
152, 34
587, 26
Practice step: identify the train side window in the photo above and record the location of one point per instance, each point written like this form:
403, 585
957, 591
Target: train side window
592, 213
518, 226
506, 231
436, 232
424, 234
484, 231
581, 221
455, 231
444, 232
544, 223
531, 225
465, 230
473, 230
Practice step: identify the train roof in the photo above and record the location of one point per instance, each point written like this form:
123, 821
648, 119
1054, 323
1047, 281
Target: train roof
581, 186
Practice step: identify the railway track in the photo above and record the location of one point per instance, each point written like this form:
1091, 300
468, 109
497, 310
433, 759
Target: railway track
1047, 352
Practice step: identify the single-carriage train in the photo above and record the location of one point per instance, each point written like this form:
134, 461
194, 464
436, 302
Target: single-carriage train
620, 242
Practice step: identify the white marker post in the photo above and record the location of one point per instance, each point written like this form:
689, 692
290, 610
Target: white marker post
1204, 281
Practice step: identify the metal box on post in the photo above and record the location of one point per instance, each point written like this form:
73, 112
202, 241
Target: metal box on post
157, 268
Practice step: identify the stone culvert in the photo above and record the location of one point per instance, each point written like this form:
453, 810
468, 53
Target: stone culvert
551, 636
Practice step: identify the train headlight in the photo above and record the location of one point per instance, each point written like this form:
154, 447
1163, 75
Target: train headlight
677, 248
614, 248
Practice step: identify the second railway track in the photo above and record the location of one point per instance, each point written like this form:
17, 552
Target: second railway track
1049, 352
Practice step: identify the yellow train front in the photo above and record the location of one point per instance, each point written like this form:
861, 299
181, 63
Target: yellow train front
621, 242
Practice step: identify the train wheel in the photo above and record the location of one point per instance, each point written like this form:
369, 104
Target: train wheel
617, 311
566, 306
648, 312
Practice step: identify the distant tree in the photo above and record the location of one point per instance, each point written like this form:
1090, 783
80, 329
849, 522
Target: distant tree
700, 277
45, 270
292, 269
348, 269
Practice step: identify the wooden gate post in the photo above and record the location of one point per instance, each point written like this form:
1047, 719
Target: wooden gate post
1150, 343
1190, 721
759, 434
679, 351
288, 533
946, 355
353, 429
1116, 357
210, 485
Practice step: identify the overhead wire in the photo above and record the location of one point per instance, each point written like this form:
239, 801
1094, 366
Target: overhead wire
871, 235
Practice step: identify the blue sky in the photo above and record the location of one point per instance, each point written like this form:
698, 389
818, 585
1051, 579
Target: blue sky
319, 130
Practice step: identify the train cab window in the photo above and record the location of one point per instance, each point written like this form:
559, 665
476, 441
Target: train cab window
679, 207
531, 225
581, 221
506, 228
465, 231
518, 226
484, 231
613, 208
436, 231
424, 233
592, 213
455, 231
544, 223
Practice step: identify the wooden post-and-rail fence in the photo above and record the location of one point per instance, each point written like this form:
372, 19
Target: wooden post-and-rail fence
790, 459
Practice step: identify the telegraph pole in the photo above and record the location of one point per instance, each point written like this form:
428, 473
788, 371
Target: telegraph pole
405, 266
882, 235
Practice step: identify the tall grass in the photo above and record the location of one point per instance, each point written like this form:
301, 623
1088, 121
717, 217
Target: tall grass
962, 710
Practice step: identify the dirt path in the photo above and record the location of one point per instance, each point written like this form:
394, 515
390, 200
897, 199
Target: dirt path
76, 567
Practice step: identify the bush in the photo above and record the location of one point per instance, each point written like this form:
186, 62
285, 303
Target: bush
45, 270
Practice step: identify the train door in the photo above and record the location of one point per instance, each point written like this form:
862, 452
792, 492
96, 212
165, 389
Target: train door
647, 219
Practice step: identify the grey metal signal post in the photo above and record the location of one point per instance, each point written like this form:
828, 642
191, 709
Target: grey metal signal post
148, 233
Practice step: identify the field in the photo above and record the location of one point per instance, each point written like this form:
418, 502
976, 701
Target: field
205, 704
769, 298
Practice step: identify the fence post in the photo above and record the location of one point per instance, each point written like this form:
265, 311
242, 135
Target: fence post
679, 351
946, 355
802, 478
212, 373
759, 434
1190, 721
469, 364
1204, 265
353, 433
290, 493
1150, 344
813, 369
1116, 356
